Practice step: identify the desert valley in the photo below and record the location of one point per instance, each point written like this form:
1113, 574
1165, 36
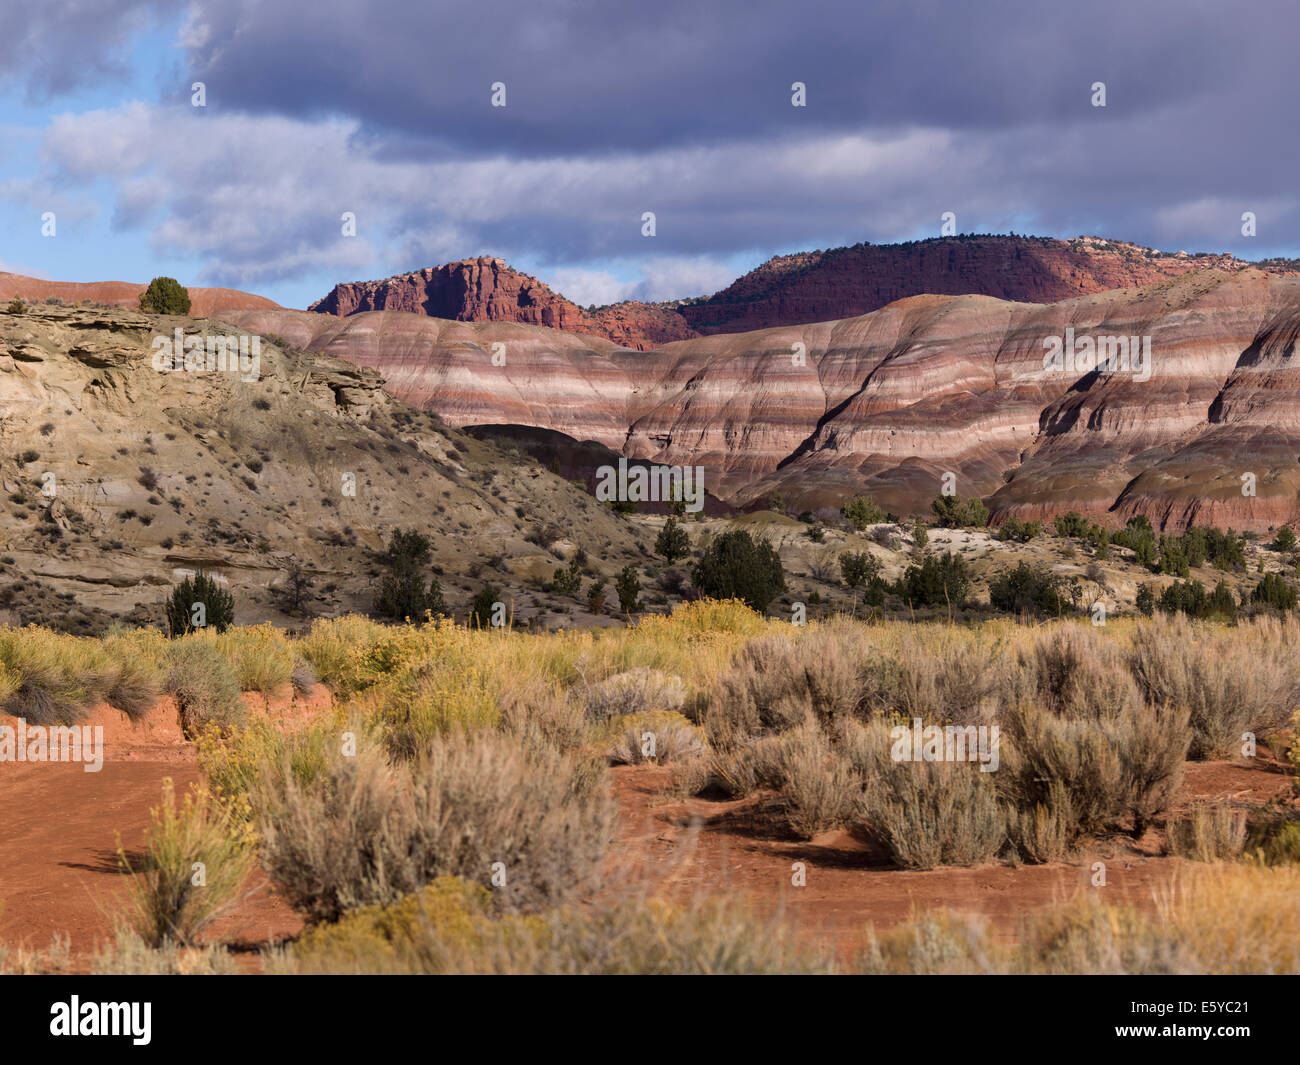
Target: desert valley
728, 488
906, 518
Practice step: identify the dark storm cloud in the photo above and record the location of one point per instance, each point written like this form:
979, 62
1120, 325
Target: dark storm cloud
50, 48
914, 109
585, 76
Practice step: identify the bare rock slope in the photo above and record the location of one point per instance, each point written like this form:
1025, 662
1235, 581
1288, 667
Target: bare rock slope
118, 478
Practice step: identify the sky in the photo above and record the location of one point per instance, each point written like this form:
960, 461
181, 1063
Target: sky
685, 109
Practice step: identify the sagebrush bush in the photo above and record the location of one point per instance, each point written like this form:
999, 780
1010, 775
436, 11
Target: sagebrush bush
940, 678
366, 832
204, 683
633, 692
538, 713
1232, 681
818, 787
1077, 672
1043, 832
927, 814
1207, 834
1122, 764
743, 768
663, 738
779, 682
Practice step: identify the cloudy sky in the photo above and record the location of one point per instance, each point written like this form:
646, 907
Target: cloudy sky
914, 108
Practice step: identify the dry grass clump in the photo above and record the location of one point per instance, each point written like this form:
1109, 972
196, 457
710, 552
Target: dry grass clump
451, 927
1231, 680
53, 959
1209, 834
261, 657
129, 955
1238, 919
635, 691
1076, 672
50, 678
204, 683
193, 864
367, 832
663, 738
1227, 919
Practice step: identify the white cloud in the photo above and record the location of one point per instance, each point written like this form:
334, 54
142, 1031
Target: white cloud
259, 199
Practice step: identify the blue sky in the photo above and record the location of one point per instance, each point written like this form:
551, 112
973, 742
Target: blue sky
684, 109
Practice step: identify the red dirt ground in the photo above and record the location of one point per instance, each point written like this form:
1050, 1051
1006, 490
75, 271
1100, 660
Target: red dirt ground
59, 874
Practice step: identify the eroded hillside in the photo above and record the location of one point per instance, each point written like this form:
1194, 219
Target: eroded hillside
118, 478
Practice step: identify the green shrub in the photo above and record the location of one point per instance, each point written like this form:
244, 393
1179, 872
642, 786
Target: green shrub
1145, 600
480, 610
940, 580
861, 569
673, 541
165, 295
201, 591
1275, 591
1190, 598
1028, 589
403, 594
952, 512
1019, 531
1071, 524
628, 587
862, 511
567, 580
736, 566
